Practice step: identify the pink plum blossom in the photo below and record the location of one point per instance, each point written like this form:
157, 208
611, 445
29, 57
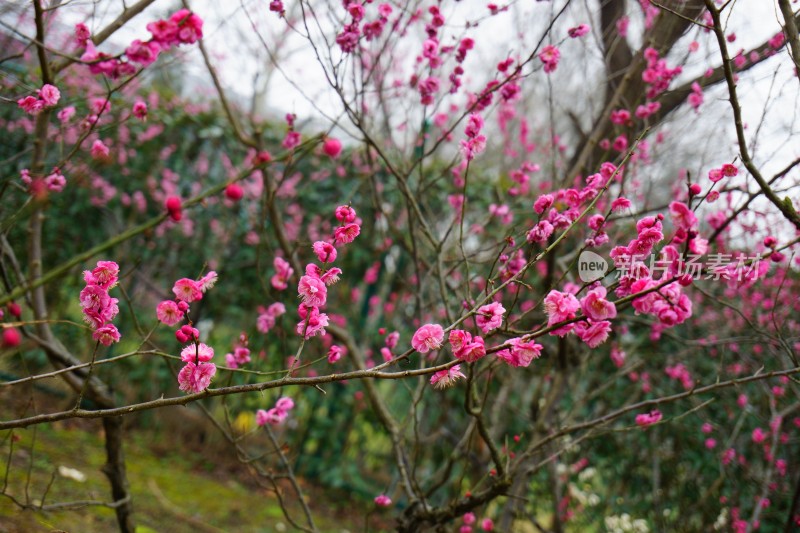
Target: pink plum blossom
139, 110
66, 114
471, 350
283, 271
549, 57
284, 403
617, 356
82, 33
143, 53
208, 281
543, 203
277, 414
345, 214
347, 233
335, 353
272, 417
560, 306
106, 335
332, 147
428, 337
382, 500
682, 216
490, 317
31, 105
313, 291
168, 313
312, 322
187, 290
648, 419
578, 31
521, 353
447, 378
268, 317
596, 307
593, 333
49, 95
325, 251
196, 378
200, 352
99, 150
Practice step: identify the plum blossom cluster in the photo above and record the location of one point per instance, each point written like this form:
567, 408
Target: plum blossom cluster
174, 208
490, 317
695, 99
351, 33
649, 232
183, 27
314, 293
648, 419
470, 522
725, 171
432, 52
277, 414
427, 89
475, 143
276, 6
520, 353
578, 31
663, 297
99, 151
552, 217
464, 46
46, 97
469, 348
99, 309
657, 75
313, 286
549, 57
679, 372
293, 138
777, 41
268, 316
196, 375
283, 272
11, 337
430, 337
382, 500
53, 182
466, 347
240, 355
447, 377
336, 352
621, 117
170, 312
390, 343
594, 326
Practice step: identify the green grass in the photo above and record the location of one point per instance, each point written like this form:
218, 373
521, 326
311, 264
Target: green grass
173, 492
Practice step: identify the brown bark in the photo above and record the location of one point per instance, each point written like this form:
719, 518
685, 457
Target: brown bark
115, 470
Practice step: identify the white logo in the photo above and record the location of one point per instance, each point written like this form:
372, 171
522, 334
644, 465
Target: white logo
591, 267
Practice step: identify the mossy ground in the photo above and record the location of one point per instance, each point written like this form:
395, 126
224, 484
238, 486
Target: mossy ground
175, 490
